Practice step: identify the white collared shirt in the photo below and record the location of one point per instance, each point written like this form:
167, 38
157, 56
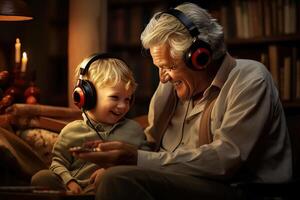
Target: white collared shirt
248, 126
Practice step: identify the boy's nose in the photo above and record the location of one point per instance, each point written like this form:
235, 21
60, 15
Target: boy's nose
122, 105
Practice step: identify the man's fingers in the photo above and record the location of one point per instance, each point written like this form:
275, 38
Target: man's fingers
113, 145
92, 144
111, 153
103, 159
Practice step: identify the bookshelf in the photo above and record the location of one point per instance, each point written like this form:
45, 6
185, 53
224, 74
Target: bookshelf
126, 21
262, 30
266, 31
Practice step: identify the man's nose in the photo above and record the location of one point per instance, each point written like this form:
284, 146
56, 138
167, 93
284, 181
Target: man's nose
163, 75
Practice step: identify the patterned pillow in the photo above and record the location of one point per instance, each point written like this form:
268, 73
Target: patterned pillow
41, 140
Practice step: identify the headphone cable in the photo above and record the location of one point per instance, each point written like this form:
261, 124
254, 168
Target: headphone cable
92, 125
182, 128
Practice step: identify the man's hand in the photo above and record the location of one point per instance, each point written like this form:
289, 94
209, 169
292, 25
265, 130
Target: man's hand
96, 176
92, 144
74, 187
112, 153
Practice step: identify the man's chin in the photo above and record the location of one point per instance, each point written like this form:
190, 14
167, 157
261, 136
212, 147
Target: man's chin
182, 97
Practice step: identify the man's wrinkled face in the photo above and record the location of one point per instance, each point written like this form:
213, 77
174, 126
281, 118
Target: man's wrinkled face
174, 71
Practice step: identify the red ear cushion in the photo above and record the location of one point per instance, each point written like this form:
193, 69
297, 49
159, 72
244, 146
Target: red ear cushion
78, 97
201, 58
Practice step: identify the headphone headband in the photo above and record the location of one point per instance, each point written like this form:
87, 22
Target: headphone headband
85, 65
85, 94
198, 55
190, 26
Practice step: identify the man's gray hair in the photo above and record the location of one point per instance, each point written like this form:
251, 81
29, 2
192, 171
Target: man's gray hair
168, 29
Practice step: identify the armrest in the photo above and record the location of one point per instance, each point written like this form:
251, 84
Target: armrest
44, 110
53, 118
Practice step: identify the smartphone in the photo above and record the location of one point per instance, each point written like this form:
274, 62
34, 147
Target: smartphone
79, 149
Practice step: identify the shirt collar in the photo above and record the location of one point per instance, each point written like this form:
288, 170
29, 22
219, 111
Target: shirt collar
101, 126
222, 74
228, 64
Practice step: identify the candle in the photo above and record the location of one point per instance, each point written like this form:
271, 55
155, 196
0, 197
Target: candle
24, 62
18, 51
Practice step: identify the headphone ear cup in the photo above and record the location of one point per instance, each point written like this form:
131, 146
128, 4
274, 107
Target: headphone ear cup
84, 95
198, 56
78, 97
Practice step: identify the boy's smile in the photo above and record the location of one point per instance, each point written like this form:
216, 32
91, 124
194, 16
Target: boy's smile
112, 103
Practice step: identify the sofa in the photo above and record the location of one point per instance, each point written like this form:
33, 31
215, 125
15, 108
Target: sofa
27, 135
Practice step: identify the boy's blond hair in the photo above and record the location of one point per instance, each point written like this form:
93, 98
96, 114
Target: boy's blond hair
108, 72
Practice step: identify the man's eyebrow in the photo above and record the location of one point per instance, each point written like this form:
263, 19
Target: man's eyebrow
163, 65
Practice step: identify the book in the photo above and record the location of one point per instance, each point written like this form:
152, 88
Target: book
286, 84
118, 29
136, 24
238, 18
273, 63
298, 79
267, 18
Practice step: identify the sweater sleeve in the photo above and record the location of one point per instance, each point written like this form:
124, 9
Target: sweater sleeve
62, 159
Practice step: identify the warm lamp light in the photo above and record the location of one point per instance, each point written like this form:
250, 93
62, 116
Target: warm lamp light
14, 10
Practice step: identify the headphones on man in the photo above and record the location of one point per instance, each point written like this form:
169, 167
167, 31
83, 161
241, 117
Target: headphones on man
198, 55
84, 93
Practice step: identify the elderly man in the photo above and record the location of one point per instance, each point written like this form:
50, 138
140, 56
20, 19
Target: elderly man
213, 119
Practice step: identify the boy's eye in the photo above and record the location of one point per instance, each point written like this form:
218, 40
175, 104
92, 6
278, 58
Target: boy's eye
128, 99
114, 97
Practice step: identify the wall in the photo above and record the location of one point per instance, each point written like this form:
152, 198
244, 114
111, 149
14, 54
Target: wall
87, 33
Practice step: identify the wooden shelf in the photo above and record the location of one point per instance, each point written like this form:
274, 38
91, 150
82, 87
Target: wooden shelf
264, 40
125, 47
291, 104
128, 4
292, 108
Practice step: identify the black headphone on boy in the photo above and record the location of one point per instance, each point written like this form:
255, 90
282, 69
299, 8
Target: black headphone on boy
198, 55
84, 93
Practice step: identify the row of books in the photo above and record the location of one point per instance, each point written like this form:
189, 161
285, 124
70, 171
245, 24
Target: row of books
146, 76
284, 65
258, 18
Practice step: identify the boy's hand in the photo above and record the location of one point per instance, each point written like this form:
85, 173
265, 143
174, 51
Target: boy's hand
96, 176
111, 153
74, 187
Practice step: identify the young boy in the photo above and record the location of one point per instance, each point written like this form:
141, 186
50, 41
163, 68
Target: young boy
113, 83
